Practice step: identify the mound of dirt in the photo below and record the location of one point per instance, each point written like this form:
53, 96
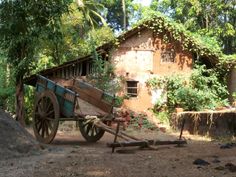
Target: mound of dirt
15, 141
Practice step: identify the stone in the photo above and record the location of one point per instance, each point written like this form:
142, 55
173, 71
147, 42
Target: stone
200, 162
231, 167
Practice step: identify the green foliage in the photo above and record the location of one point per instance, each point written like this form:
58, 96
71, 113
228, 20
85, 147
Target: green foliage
172, 85
204, 90
211, 18
156, 83
119, 101
7, 88
29, 103
163, 116
176, 32
228, 61
139, 121
23, 24
79, 36
234, 96
102, 75
91, 10
192, 99
115, 12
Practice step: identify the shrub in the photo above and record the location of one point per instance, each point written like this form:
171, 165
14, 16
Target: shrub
203, 90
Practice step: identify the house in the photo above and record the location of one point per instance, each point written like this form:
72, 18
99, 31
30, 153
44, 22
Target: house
155, 47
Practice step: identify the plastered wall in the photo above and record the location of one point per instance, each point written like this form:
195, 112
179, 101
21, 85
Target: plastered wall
138, 58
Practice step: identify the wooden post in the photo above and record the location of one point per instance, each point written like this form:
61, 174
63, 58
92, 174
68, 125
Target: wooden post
182, 128
115, 138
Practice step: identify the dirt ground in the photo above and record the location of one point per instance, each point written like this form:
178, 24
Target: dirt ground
70, 156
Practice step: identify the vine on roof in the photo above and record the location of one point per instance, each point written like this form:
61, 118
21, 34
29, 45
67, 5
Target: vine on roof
160, 24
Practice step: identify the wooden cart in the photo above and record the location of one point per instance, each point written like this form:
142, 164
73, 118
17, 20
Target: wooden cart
55, 103
80, 101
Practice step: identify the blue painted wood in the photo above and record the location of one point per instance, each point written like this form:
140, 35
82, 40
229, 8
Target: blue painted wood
66, 105
51, 85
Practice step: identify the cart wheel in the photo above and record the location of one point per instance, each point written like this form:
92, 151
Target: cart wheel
90, 132
46, 117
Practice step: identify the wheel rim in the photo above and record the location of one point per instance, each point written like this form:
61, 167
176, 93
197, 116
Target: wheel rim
90, 132
46, 117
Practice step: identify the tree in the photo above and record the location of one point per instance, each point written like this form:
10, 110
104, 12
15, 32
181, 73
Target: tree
23, 24
119, 13
207, 17
76, 31
91, 11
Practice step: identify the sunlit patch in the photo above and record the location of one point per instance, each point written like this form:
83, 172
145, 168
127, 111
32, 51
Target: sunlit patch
98, 173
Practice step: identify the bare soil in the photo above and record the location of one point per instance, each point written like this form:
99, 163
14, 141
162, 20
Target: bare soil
70, 156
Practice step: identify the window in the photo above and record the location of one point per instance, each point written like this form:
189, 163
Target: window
168, 56
132, 88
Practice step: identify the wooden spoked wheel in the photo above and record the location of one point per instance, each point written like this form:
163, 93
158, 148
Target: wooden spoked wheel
90, 132
46, 117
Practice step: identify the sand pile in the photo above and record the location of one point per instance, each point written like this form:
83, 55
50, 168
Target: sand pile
15, 141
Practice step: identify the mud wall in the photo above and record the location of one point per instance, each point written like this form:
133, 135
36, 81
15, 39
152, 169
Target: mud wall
139, 58
212, 124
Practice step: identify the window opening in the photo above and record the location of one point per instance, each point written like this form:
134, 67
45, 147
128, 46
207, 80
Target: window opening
132, 88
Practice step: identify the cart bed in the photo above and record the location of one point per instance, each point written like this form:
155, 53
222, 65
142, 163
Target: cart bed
84, 108
90, 100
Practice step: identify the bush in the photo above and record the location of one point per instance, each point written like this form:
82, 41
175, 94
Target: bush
203, 90
163, 117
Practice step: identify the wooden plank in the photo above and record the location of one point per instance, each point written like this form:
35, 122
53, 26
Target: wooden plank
88, 89
84, 108
145, 143
96, 102
63, 82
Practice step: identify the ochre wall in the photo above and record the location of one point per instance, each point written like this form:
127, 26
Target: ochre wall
139, 58
183, 60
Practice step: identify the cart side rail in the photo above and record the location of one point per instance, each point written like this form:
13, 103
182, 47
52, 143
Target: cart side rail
66, 97
94, 96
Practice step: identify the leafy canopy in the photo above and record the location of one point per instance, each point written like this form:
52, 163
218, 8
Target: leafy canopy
23, 24
206, 17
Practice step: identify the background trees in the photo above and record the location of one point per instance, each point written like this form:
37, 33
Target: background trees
207, 17
23, 24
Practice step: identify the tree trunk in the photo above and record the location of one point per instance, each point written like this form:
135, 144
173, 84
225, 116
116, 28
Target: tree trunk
20, 100
124, 15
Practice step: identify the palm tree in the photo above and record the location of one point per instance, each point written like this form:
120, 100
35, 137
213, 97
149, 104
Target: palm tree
90, 10
124, 15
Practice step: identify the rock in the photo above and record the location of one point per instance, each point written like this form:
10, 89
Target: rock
216, 161
227, 145
74, 163
220, 168
231, 167
50, 161
200, 162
